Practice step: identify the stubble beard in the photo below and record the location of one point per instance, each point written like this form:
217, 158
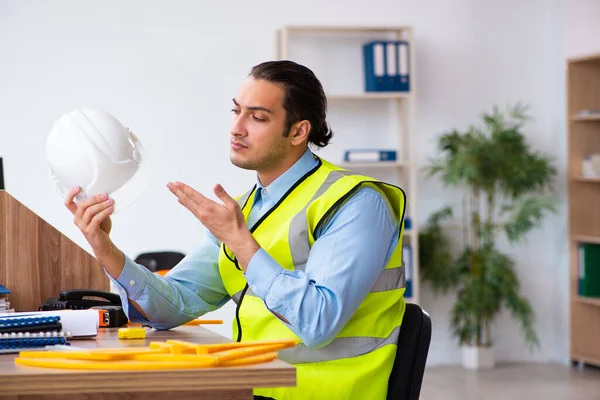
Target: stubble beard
271, 157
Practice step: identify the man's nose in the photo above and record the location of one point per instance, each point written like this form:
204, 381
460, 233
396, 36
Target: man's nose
237, 127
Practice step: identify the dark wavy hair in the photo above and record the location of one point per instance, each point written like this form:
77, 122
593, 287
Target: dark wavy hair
304, 97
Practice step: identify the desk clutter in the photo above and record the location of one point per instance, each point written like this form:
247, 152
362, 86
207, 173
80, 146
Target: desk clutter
14, 342
28, 330
172, 354
25, 332
4, 303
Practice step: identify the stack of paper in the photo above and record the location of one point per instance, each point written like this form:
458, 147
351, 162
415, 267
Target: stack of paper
4, 303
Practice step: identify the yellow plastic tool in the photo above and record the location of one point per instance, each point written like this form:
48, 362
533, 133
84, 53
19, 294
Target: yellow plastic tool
250, 360
132, 333
212, 348
160, 345
96, 354
244, 352
124, 365
210, 360
183, 347
173, 354
204, 322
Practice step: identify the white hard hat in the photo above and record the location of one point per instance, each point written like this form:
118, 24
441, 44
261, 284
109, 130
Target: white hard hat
91, 149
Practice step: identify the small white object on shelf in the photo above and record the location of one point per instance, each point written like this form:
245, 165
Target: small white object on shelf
590, 166
588, 113
370, 155
587, 170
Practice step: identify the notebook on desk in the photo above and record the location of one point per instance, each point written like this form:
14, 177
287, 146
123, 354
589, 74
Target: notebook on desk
16, 341
29, 324
80, 323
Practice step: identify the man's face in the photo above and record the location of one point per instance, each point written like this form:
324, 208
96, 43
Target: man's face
258, 140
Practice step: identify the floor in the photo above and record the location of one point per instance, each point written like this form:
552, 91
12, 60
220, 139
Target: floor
512, 382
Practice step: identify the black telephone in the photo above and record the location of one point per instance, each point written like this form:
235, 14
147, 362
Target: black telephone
109, 305
74, 300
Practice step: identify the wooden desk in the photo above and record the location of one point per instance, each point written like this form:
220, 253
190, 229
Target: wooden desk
230, 383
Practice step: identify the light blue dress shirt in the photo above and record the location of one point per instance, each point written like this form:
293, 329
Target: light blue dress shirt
351, 249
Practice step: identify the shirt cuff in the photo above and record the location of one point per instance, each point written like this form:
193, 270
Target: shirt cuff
261, 273
133, 279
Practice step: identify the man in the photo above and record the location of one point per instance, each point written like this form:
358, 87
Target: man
312, 252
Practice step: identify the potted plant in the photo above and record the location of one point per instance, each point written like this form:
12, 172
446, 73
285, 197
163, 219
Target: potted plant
504, 186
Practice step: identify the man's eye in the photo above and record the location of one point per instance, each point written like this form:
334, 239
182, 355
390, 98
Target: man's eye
236, 112
258, 119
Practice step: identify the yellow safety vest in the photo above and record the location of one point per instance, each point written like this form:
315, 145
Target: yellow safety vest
358, 362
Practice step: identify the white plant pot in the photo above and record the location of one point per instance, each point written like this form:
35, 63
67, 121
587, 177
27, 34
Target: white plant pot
477, 358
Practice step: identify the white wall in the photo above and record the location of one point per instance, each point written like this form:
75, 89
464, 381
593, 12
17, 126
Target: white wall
581, 27
169, 69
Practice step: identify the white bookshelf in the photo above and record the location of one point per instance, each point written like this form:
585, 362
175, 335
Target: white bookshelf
322, 41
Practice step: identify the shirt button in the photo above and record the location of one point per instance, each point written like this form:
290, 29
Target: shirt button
131, 282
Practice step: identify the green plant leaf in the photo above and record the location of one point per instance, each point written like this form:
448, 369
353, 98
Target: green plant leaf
523, 312
435, 258
525, 214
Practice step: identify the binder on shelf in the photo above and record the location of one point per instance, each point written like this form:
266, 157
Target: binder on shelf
589, 270
407, 262
369, 155
386, 66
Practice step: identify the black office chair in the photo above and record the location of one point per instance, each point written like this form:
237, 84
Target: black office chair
159, 260
411, 356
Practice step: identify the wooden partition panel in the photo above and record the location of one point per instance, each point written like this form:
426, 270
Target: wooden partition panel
37, 261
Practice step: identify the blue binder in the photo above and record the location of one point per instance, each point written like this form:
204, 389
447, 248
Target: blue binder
29, 343
8, 322
369, 155
14, 342
407, 261
3, 289
386, 66
29, 324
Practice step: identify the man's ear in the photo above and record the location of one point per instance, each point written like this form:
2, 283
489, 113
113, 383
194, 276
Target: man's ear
300, 131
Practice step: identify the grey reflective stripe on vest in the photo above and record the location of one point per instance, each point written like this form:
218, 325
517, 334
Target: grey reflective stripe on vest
339, 348
242, 200
298, 233
390, 279
236, 297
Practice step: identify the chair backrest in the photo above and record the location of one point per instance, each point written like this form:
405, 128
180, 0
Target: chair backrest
159, 260
411, 356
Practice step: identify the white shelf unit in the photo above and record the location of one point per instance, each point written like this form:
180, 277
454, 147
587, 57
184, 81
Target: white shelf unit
350, 93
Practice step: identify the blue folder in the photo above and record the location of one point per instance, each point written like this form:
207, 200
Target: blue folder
408, 265
386, 66
3, 289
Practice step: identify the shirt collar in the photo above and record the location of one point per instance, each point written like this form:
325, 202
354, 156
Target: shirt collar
285, 181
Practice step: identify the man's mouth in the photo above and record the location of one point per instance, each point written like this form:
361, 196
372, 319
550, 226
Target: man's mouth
238, 145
